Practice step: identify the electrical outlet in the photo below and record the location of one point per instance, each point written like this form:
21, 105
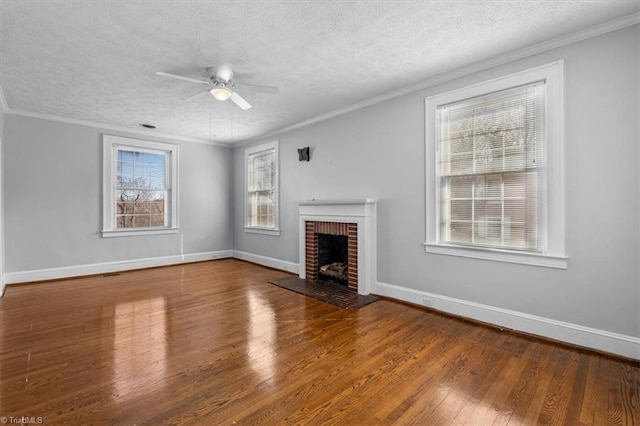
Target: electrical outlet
427, 301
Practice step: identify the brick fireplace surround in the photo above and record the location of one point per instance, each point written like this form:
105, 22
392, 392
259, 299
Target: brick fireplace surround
355, 219
350, 230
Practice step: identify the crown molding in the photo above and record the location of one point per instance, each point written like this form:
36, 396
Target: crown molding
535, 49
575, 37
110, 127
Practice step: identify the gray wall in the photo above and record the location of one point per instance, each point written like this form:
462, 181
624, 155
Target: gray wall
379, 152
53, 199
1, 205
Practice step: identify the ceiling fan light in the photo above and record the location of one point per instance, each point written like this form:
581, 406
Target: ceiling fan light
221, 93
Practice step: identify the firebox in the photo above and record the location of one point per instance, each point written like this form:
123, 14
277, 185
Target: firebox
333, 258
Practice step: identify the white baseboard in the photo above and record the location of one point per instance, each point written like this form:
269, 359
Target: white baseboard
106, 267
267, 261
587, 337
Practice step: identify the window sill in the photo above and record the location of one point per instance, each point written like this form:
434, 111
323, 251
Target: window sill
524, 258
138, 232
263, 231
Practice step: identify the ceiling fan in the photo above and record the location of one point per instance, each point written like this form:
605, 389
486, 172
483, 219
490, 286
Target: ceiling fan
222, 85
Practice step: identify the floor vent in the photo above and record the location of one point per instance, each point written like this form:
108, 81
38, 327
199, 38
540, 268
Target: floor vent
111, 274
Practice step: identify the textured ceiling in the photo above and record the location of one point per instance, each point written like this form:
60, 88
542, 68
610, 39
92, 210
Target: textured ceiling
95, 60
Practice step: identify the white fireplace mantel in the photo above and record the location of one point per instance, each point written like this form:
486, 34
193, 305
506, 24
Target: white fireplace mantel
313, 201
359, 211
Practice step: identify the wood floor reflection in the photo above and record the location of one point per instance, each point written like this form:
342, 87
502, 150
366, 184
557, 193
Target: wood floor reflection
214, 343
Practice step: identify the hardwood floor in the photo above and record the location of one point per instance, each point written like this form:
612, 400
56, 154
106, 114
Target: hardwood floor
214, 343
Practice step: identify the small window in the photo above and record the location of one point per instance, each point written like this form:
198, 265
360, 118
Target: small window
261, 173
140, 192
494, 170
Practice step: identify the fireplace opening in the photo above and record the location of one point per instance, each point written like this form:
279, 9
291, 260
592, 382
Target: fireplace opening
333, 257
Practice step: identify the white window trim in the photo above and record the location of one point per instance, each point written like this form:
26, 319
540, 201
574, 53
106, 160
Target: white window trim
263, 231
553, 253
253, 150
109, 164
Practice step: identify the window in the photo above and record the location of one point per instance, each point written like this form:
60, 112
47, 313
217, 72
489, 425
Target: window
261, 172
140, 191
494, 170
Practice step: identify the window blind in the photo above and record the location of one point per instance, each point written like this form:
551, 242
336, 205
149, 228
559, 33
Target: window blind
491, 171
261, 189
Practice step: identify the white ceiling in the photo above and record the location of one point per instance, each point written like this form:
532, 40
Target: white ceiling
96, 60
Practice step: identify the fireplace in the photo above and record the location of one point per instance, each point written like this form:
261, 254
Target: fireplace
337, 242
319, 255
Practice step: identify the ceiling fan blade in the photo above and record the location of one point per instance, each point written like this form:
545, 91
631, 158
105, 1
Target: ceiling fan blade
179, 77
196, 94
260, 88
240, 101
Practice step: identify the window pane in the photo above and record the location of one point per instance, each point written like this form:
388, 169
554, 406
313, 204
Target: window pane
141, 189
125, 156
262, 171
484, 211
261, 189
262, 212
499, 210
461, 187
495, 133
157, 174
126, 207
461, 210
157, 220
143, 207
460, 232
124, 221
143, 221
